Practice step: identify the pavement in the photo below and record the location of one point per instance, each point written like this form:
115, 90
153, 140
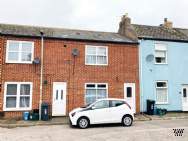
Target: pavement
153, 130
169, 116
12, 123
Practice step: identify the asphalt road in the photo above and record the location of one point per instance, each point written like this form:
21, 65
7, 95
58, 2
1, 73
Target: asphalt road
140, 131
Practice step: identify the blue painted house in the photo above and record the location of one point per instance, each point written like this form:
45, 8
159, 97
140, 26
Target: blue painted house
163, 66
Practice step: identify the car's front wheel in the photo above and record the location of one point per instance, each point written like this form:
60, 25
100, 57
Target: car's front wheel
127, 120
83, 122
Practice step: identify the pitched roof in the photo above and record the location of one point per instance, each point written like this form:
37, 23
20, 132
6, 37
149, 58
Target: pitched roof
161, 33
34, 31
183, 30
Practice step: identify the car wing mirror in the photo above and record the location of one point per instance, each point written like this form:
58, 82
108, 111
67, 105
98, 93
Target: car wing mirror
93, 107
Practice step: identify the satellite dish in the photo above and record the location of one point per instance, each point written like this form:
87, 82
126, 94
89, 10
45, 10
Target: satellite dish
149, 58
75, 52
36, 61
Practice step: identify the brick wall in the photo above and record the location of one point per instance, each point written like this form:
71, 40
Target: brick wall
1, 61
58, 67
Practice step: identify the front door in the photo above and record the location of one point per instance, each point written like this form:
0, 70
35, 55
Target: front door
129, 95
59, 99
185, 97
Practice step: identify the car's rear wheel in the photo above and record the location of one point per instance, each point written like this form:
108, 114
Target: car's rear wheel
83, 122
127, 120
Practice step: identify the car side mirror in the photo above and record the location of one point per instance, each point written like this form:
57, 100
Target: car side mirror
93, 107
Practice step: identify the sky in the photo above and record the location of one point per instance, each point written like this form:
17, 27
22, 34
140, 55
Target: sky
98, 15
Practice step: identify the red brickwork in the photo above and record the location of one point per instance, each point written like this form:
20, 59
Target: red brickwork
59, 67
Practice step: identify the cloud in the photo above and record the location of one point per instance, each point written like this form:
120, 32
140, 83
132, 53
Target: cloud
101, 15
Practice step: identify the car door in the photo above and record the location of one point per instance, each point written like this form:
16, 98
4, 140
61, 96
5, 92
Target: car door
116, 110
99, 112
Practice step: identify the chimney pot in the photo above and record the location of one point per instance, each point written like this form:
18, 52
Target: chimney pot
167, 24
126, 29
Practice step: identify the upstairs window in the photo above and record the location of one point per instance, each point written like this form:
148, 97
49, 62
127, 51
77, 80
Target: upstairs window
160, 54
96, 55
19, 52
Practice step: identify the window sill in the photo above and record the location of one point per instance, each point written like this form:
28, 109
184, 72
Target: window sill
158, 103
16, 109
161, 63
96, 64
8, 62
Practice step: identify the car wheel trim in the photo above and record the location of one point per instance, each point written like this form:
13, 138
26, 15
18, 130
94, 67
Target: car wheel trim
127, 121
83, 123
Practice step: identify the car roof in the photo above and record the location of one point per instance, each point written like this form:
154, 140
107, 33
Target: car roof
111, 99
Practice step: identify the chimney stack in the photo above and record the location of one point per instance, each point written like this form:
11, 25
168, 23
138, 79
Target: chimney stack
167, 24
126, 29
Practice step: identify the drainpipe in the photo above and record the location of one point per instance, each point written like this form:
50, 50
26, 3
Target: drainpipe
141, 83
41, 73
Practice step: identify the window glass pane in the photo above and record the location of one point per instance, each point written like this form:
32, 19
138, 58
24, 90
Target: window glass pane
129, 91
160, 53
13, 56
101, 93
61, 94
101, 60
102, 104
90, 85
24, 101
101, 51
11, 102
56, 94
90, 59
160, 47
91, 51
161, 95
26, 56
13, 46
116, 103
11, 89
184, 92
27, 47
161, 84
101, 86
24, 89
160, 60
90, 96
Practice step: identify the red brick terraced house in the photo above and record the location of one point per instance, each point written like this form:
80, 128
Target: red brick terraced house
77, 68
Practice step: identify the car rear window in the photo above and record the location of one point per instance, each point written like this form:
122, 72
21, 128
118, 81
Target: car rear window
116, 103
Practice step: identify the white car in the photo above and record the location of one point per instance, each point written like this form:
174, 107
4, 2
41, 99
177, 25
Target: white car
109, 110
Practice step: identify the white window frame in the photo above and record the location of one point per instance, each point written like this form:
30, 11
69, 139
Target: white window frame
106, 47
19, 55
166, 54
161, 88
17, 108
92, 88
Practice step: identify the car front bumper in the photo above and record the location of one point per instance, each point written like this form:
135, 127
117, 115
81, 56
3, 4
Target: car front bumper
73, 120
